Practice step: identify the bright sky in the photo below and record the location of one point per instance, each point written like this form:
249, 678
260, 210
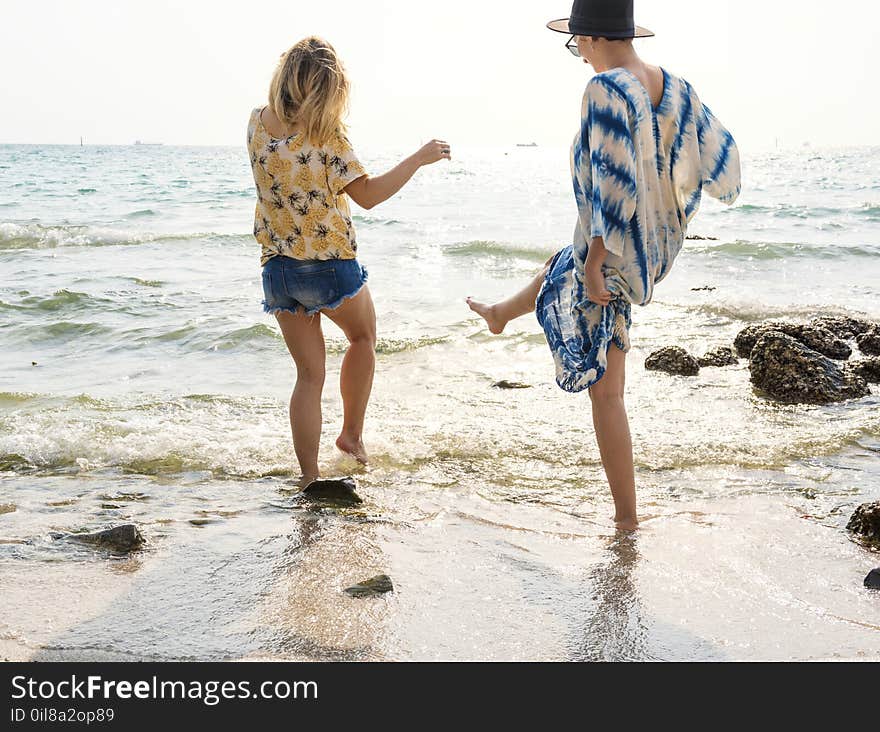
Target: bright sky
472, 72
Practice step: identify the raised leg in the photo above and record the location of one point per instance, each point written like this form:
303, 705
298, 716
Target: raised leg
357, 319
497, 316
614, 440
305, 341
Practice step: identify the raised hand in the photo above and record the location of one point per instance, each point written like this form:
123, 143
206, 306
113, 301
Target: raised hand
434, 151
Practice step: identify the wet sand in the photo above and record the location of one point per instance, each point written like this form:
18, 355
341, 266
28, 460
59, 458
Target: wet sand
745, 577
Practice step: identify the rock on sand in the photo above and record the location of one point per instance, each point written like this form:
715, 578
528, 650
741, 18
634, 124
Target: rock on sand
339, 492
124, 538
373, 587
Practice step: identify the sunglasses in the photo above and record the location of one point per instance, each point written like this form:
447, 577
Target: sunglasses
572, 46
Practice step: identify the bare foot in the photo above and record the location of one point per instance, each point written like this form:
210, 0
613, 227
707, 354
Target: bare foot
352, 446
630, 524
488, 313
306, 479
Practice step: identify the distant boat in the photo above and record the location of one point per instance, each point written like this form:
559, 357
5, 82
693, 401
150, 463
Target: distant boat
527, 144
138, 142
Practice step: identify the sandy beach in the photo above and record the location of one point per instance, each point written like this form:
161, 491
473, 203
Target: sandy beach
745, 577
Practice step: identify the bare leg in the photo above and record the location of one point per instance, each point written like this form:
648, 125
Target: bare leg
614, 440
497, 316
357, 319
305, 341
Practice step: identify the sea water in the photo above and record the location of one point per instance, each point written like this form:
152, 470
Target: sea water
141, 382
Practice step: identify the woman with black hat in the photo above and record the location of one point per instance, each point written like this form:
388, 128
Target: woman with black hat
645, 151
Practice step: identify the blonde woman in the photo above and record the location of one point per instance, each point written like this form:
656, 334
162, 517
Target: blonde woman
305, 170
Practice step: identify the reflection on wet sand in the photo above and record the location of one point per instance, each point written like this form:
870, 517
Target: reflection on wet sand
305, 611
474, 579
279, 596
614, 629
619, 625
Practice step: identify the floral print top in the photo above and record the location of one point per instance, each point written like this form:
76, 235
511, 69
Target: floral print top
302, 211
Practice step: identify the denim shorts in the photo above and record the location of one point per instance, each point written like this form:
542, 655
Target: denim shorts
311, 285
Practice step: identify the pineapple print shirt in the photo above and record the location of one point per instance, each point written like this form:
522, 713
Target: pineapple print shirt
302, 211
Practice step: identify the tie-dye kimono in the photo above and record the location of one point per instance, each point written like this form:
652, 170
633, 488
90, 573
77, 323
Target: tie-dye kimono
638, 175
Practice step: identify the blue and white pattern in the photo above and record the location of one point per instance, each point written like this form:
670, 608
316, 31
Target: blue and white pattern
638, 174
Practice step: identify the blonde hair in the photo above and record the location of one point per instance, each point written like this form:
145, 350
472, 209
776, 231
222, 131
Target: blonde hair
310, 88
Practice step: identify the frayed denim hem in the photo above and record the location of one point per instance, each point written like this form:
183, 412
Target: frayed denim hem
274, 310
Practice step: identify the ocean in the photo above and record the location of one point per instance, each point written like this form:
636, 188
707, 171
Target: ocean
140, 382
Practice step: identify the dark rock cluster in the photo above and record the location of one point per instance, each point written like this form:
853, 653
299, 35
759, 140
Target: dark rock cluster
799, 363
843, 325
790, 372
794, 363
813, 336
673, 360
676, 360
721, 356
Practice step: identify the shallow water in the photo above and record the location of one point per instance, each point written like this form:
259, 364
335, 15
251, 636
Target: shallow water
141, 382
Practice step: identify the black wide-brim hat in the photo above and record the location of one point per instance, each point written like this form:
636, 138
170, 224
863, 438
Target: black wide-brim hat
604, 18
